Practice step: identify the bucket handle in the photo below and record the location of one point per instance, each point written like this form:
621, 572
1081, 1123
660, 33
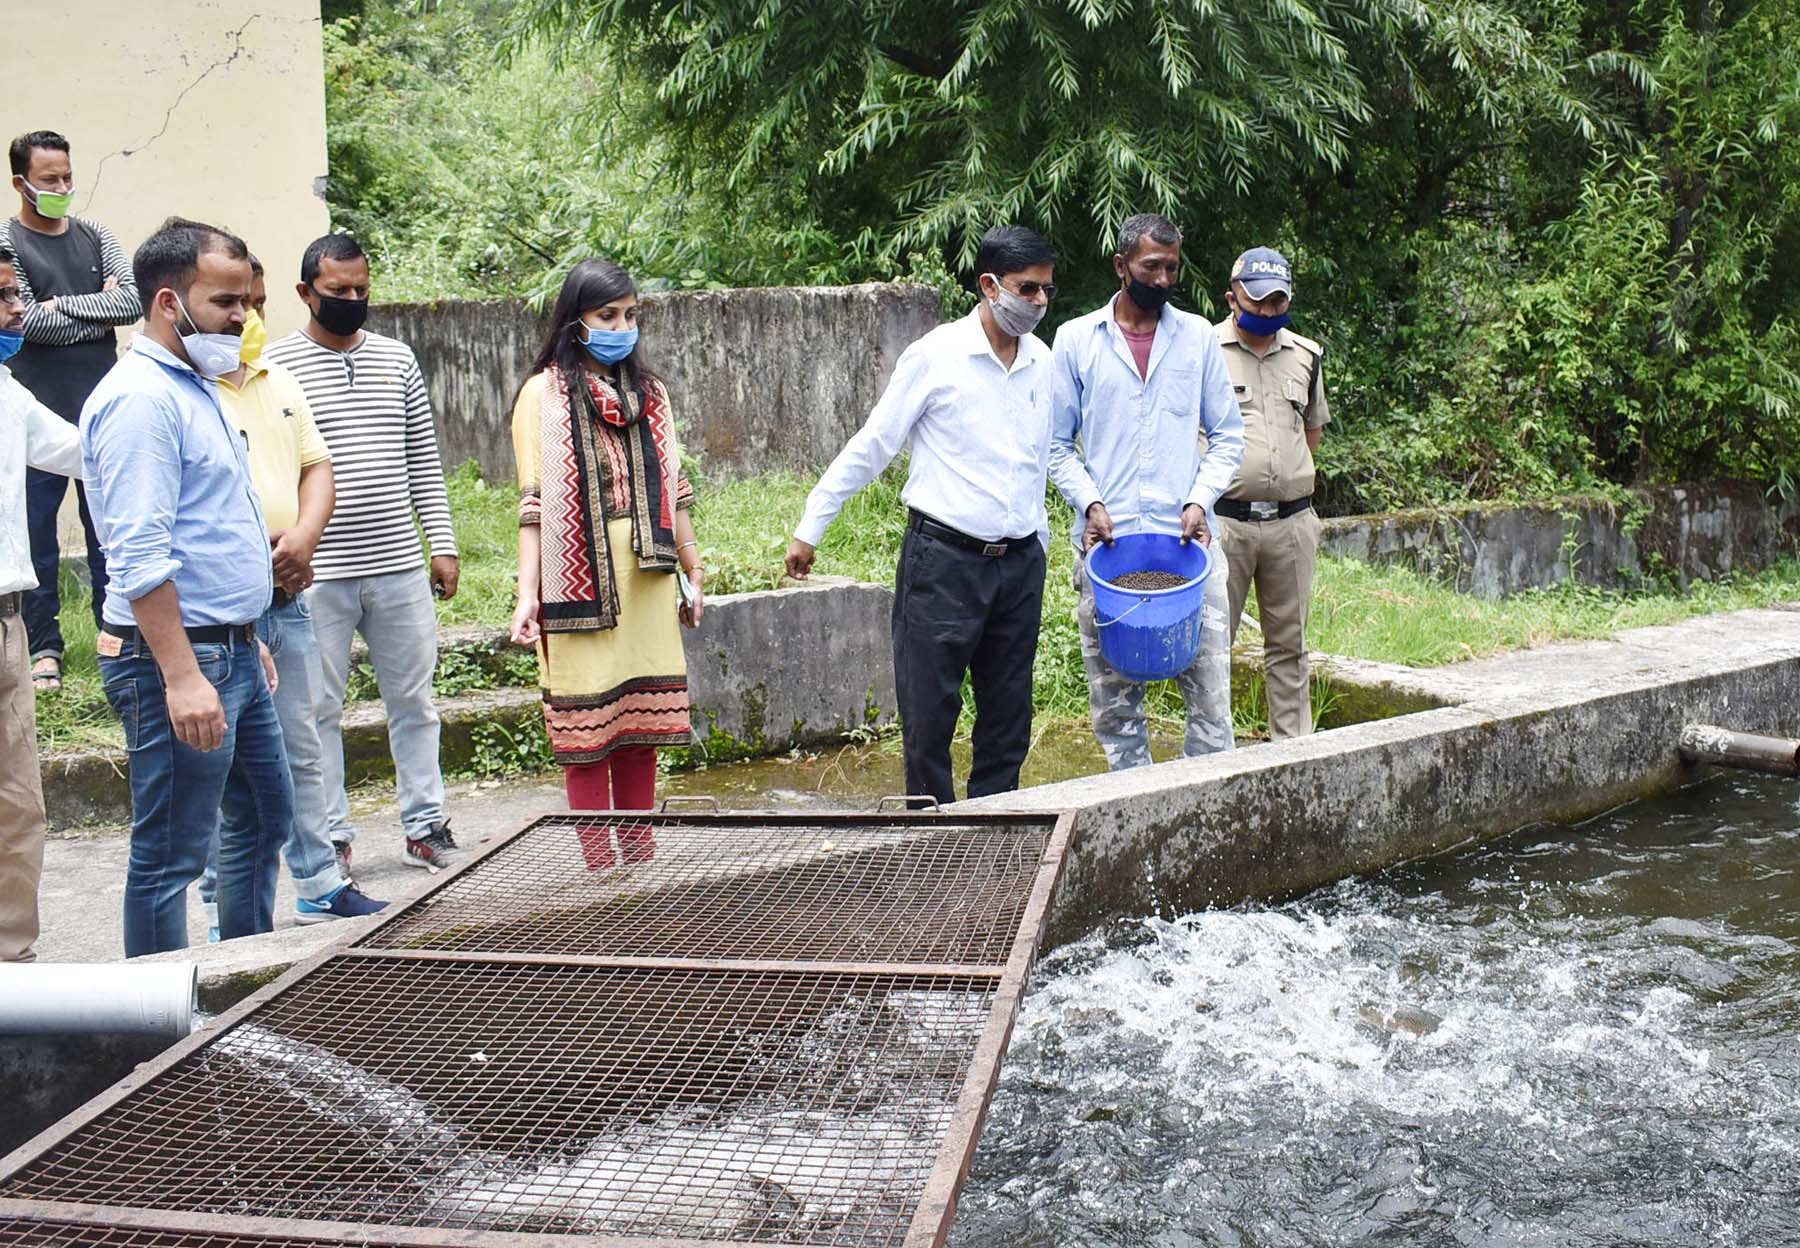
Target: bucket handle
1099, 623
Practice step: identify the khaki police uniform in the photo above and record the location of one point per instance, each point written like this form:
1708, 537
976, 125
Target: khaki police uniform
1281, 395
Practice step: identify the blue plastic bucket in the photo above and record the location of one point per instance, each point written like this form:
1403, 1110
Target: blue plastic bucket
1149, 634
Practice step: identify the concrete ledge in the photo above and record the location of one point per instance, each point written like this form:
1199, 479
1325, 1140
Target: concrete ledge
1554, 734
767, 671
1494, 549
790, 667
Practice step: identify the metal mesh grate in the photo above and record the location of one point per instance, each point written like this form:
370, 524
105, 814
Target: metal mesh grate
850, 892
51, 1233
697, 1046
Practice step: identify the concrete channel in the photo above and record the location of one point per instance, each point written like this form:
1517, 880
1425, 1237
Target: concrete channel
1476, 750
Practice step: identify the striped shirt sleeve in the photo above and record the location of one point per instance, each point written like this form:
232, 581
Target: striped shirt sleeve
50, 327
118, 306
424, 470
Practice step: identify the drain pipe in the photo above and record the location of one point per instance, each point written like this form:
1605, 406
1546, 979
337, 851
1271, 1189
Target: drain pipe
63, 999
1705, 743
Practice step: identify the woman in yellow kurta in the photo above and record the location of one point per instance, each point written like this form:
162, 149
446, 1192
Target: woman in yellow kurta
604, 530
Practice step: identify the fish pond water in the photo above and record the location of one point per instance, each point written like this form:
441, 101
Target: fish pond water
1571, 1036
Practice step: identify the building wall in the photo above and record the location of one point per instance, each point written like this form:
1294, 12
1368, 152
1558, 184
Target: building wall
199, 108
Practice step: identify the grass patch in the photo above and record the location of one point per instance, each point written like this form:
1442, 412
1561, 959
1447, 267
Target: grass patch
1388, 614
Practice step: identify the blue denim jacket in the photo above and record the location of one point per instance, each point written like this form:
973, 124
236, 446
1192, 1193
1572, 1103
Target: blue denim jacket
168, 482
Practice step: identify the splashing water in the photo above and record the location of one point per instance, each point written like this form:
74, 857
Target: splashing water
1571, 1037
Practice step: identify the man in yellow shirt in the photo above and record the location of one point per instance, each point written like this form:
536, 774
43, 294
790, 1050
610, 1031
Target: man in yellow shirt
291, 470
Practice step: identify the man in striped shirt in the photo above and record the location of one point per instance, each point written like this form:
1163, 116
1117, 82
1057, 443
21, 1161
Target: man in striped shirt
368, 398
76, 282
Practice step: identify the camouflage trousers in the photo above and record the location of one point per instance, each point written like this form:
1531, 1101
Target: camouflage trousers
1117, 704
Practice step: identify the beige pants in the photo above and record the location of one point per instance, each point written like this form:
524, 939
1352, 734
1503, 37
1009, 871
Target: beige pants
1278, 556
21, 798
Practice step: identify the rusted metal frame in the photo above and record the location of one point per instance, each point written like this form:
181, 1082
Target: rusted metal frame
937, 1204
178, 1222
34, 1148
754, 966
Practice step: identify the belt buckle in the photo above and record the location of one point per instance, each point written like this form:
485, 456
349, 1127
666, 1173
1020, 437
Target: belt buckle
1264, 510
993, 549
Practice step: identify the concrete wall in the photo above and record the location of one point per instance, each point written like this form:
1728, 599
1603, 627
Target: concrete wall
766, 672
1493, 549
206, 108
762, 380
790, 667
1541, 736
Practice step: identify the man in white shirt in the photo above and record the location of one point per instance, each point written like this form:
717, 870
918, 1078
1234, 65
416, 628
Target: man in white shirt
971, 401
30, 435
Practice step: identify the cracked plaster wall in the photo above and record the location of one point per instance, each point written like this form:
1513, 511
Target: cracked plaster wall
199, 108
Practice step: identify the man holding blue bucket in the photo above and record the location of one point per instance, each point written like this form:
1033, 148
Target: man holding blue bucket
1137, 383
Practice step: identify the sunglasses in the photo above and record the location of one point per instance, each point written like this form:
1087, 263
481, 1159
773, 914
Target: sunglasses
1029, 290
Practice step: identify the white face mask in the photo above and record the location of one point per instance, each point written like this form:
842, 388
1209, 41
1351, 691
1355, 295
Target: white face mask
212, 355
1015, 314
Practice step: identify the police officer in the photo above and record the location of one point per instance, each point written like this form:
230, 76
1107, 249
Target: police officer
1270, 530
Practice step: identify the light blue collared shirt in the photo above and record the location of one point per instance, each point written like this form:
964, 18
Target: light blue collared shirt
168, 483
1140, 436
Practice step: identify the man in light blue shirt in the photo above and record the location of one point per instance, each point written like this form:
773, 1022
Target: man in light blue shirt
189, 573
1146, 437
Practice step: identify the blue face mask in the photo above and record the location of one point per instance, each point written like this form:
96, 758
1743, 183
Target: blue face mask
1265, 326
10, 342
609, 346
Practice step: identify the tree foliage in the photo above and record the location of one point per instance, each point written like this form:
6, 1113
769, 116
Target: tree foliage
1548, 243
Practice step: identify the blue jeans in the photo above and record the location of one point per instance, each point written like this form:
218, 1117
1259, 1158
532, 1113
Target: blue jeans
398, 620
177, 792
288, 632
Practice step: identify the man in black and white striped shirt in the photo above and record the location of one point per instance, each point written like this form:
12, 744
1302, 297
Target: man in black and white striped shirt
76, 282
368, 398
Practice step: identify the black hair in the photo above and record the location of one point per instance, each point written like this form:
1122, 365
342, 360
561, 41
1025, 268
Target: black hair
1151, 225
7, 257
1012, 249
256, 269
20, 152
591, 284
169, 258
331, 247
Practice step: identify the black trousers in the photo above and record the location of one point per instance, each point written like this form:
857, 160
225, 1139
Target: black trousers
954, 611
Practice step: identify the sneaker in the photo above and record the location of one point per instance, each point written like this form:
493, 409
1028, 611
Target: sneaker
437, 848
342, 850
212, 921
346, 903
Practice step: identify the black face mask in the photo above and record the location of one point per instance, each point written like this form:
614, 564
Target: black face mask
342, 317
1149, 298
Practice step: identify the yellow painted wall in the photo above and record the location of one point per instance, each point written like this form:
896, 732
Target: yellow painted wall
193, 107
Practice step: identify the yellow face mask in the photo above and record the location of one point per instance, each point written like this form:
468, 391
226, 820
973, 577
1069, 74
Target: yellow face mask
256, 337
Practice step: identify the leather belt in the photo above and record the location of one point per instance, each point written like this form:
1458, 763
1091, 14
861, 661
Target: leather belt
1238, 509
203, 633
11, 604
956, 537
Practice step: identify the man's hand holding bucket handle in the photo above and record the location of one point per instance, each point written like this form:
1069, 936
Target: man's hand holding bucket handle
1099, 526
1193, 525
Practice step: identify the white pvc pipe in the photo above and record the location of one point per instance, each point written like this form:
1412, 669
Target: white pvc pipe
60, 998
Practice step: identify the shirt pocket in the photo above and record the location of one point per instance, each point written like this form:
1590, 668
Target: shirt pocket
1294, 391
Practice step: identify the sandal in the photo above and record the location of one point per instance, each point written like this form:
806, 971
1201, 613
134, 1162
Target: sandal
46, 674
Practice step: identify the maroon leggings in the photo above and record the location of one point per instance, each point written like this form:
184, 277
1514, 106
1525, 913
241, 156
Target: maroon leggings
624, 780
